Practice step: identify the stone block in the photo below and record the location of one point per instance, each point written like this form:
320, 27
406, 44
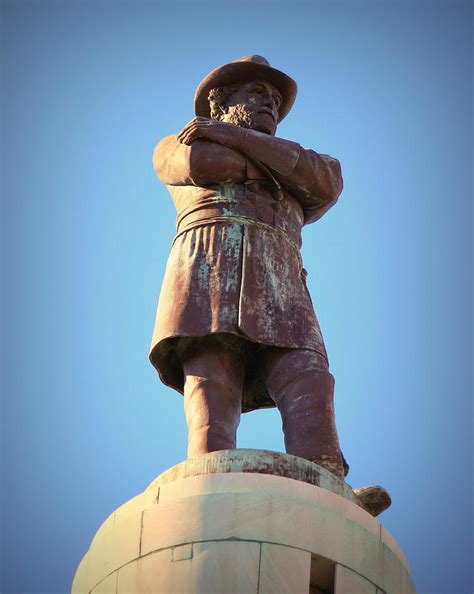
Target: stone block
215, 567
267, 518
107, 586
114, 548
395, 575
347, 581
283, 570
388, 539
237, 482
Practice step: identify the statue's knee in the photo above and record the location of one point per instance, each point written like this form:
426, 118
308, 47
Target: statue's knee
220, 367
286, 367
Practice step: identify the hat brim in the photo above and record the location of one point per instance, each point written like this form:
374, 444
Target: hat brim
236, 72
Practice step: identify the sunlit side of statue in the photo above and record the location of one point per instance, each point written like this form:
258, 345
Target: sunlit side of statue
235, 327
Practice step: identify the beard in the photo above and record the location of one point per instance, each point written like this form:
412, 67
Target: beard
242, 116
239, 115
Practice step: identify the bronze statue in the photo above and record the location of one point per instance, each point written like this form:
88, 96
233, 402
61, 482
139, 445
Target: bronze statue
235, 328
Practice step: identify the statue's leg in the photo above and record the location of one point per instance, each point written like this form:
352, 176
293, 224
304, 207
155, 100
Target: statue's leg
303, 390
212, 398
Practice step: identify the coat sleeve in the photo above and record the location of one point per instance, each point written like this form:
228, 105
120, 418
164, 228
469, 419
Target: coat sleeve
199, 164
314, 179
316, 182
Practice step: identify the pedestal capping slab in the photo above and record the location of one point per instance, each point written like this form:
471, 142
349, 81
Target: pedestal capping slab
257, 461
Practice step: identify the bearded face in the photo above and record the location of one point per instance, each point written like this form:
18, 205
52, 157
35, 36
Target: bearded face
253, 105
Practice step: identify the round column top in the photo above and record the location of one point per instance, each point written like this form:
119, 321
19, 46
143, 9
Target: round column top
258, 462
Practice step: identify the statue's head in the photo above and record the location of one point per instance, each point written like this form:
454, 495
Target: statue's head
250, 104
247, 92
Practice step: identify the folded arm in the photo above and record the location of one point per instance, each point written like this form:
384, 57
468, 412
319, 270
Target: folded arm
314, 179
199, 164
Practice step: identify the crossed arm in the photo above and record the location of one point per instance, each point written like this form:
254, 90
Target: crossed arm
208, 152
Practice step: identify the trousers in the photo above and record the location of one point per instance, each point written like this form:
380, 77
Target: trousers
297, 380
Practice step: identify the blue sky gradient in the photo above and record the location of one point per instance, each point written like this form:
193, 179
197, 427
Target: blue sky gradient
88, 89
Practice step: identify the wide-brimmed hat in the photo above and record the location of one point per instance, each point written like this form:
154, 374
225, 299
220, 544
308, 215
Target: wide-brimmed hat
247, 68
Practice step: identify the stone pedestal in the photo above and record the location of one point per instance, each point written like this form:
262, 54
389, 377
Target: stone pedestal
243, 521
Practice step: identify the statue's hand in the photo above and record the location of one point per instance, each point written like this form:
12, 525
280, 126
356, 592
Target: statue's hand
205, 129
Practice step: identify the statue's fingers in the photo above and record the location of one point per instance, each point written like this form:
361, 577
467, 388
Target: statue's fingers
185, 132
182, 138
187, 129
189, 136
208, 123
195, 125
188, 140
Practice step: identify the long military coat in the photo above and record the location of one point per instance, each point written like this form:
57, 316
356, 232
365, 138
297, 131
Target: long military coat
235, 263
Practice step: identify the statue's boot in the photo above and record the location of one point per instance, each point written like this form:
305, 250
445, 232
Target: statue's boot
345, 464
303, 390
212, 400
374, 499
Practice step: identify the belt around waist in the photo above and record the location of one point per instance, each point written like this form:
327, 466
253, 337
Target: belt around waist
234, 210
278, 231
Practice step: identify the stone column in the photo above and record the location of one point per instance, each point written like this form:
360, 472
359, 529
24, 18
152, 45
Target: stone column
243, 521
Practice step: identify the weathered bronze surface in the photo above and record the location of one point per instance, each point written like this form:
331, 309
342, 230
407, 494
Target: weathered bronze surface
235, 327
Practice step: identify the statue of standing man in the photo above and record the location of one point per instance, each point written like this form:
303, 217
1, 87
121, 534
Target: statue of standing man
235, 328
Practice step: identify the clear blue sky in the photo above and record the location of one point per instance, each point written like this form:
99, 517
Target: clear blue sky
88, 90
